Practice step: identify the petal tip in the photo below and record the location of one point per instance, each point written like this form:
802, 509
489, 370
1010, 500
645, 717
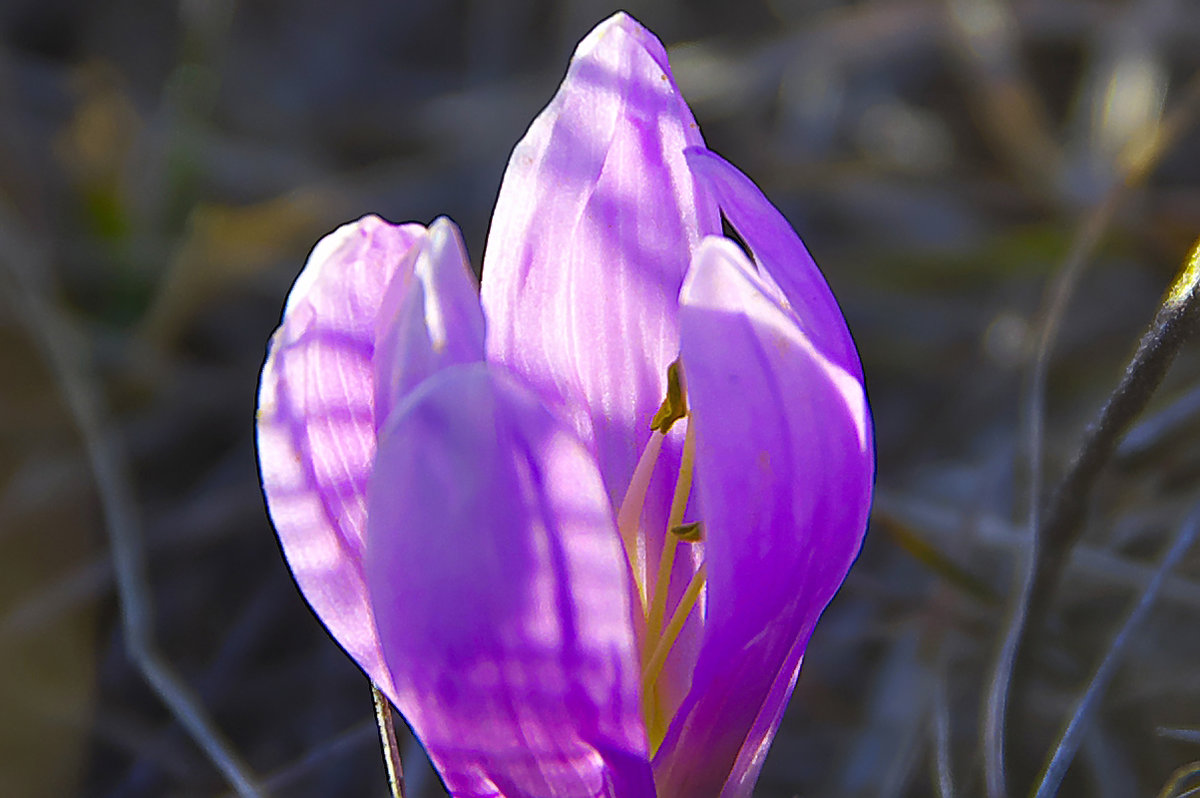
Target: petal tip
621, 29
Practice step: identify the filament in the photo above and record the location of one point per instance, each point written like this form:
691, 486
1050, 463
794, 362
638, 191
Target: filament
630, 513
658, 658
666, 562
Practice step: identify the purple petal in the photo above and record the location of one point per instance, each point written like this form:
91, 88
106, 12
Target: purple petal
316, 429
593, 231
784, 467
500, 588
429, 322
780, 256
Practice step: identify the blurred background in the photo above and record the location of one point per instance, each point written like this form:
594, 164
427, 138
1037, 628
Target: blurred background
166, 166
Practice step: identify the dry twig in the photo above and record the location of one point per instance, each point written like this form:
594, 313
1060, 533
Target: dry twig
58, 342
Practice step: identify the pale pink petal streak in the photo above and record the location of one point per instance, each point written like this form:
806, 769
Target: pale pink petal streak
593, 229
315, 423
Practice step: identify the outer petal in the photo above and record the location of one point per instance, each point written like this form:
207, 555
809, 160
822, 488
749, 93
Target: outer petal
780, 256
429, 322
593, 231
499, 587
316, 429
784, 466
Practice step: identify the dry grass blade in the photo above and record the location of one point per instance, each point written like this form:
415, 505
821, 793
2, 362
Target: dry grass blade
931, 557
941, 736
116, 497
1178, 779
340, 744
984, 33
996, 537
1072, 736
1187, 735
1034, 578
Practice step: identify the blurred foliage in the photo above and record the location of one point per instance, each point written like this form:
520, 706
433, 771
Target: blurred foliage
173, 162
47, 684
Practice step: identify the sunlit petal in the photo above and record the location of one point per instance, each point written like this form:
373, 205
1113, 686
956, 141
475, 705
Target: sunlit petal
499, 585
593, 230
429, 322
784, 468
780, 256
316, 423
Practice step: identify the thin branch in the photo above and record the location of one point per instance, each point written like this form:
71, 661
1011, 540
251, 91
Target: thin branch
1036, 582
60, 348
1071, 737
1175, 321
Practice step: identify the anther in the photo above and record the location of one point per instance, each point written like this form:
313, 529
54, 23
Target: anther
689, 532
674, 404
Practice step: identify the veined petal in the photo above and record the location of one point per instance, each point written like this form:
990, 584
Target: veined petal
500, 589
784, 468
780, 255
316, 427
429, 322
594, 226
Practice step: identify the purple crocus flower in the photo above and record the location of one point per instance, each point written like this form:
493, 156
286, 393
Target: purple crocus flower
578, 529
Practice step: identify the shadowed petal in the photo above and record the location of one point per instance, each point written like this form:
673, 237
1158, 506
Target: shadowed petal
429, 322
500, 591
592, 234
316, 428
780, 255
784, 466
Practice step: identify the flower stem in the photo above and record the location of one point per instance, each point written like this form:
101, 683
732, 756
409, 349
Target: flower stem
387, 735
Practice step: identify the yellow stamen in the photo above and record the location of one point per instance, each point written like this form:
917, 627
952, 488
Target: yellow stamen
653, 668
657, 642
630, 514
674, 404
679, 501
